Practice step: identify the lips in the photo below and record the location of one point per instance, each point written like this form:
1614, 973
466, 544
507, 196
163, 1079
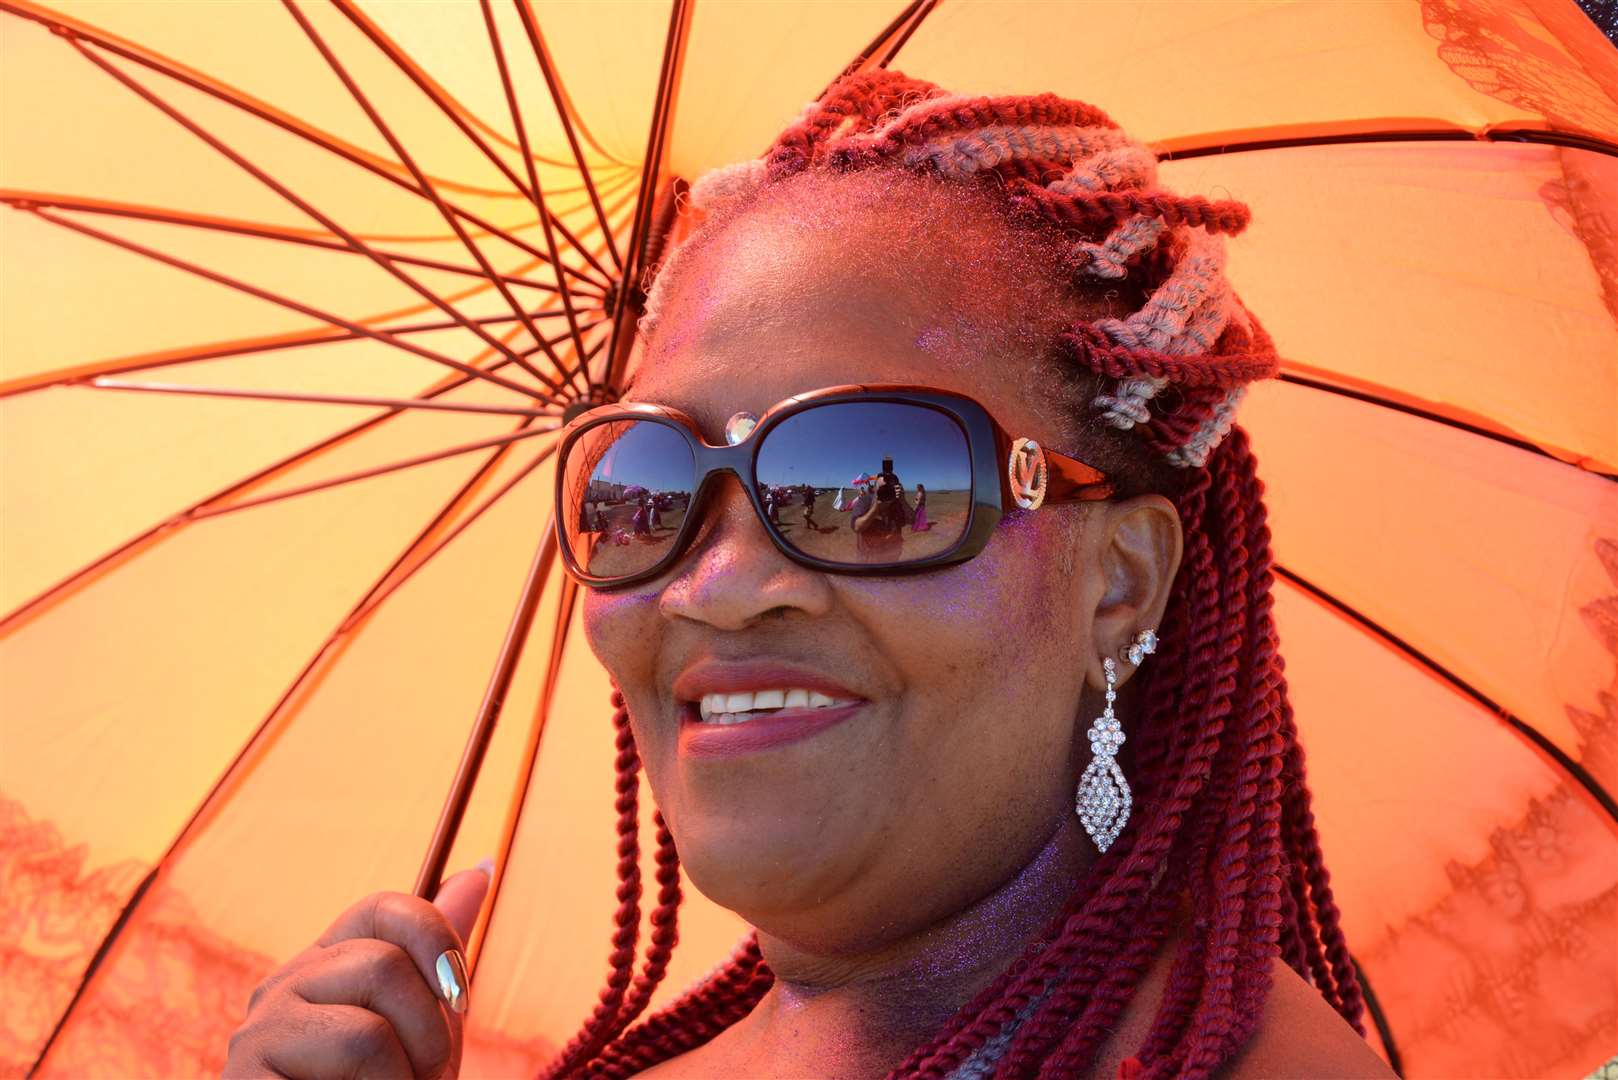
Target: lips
733, 707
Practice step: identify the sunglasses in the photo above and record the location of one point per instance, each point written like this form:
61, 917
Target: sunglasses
866, 479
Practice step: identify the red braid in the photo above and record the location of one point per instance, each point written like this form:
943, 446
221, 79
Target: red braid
1223, 814
613, 1012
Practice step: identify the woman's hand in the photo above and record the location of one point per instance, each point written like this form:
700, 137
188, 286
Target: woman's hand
365, 1000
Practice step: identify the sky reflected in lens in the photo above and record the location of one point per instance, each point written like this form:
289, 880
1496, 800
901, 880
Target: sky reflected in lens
867, 482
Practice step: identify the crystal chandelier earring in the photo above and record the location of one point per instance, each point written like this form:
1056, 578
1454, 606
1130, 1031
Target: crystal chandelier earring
1103, 798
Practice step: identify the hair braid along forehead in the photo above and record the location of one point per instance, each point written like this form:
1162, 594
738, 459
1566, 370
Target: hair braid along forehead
1067, 164
1223, 823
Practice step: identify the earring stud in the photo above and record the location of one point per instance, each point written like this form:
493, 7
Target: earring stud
1144, 645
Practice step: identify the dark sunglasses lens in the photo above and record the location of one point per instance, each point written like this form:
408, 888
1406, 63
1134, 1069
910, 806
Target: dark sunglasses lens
867, 482
626, 486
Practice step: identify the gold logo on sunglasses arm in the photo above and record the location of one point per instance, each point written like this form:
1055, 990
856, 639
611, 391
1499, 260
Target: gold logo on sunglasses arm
1028, 474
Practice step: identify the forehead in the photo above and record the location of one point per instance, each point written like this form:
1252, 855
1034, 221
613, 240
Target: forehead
793, 297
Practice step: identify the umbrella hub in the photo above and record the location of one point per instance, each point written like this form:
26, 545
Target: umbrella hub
597, 396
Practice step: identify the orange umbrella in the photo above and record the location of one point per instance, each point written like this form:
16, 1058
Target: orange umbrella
294, 296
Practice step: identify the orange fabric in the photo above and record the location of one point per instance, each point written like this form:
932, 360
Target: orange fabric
1475, 281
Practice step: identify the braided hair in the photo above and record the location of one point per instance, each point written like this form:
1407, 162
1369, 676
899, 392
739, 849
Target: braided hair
1223, 813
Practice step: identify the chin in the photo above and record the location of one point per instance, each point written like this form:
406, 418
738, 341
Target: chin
782, 875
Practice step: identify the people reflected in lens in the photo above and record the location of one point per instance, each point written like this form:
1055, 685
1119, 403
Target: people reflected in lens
879, 516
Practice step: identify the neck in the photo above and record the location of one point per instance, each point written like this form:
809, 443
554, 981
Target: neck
861, 1014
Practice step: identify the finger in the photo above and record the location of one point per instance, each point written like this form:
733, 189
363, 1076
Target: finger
461, 898
336, 1042
411, 923
379, 976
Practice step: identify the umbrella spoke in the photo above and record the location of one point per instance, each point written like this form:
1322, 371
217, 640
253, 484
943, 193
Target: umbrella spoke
488, 714
378, 470
668, 83
436, 96
1530, 734
409, 163
294, 305
533, 182
525, 766
375, 601
307, 238
179, 519
865, 58
564, 113
326, 399
1379, 1018
892, 50
262, 737
75, 32
196, 353
288, 194
1496, 433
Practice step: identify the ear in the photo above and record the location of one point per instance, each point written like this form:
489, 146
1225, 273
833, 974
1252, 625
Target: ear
1138, 546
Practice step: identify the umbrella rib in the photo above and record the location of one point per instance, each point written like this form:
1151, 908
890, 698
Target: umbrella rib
286, 193
176, 520
563, 105
294, 305
904, 36
256, 740
1373, 1005
366, 474
1189, 147
863, 57
194, 354
1520, 443
391, 51
640, 233
1527, 731
318, 138
431, 192
488, 715
570, 115
249, 229
539, 195
324, 399
525, 766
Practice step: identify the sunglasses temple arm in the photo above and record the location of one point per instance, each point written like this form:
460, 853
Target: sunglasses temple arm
1071, 480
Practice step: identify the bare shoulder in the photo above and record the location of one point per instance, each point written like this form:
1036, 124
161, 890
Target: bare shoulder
1302, 1036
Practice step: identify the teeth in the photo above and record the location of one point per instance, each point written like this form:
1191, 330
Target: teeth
735, 708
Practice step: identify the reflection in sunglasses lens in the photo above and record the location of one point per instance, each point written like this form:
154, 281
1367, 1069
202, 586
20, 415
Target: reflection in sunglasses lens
625, 491
867, 482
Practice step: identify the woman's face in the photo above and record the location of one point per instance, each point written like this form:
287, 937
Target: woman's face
961, 759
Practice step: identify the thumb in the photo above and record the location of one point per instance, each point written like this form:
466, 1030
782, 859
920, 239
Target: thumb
461, 897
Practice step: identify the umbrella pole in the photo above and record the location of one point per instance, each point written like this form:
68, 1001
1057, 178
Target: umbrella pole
477, 743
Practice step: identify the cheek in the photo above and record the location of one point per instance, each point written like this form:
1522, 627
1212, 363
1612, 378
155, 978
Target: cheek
987, 640
619, 627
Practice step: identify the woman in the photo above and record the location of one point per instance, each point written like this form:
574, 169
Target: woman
1064, 830
920, 523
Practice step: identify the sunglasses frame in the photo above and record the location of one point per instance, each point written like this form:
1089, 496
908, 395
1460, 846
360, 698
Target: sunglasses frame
993, 451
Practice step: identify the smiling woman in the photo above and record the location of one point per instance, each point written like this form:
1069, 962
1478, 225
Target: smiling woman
1010, 787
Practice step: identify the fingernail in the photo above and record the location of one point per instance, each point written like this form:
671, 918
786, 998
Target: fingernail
487, 866
453, 981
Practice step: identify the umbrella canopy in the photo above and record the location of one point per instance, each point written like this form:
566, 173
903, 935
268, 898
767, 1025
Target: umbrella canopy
285, 333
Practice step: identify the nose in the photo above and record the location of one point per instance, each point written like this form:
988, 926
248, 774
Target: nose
734, 575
